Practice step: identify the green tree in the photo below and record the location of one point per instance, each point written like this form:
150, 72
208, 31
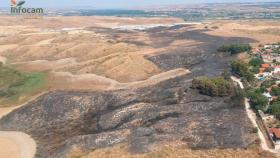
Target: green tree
268, 83
242, 69
235, 48
275, 91
274, 109
257, 100
216, 86
255, 70
256, 62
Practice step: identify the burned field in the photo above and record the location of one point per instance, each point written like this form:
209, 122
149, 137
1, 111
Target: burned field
199, 56
64, 121
201, 59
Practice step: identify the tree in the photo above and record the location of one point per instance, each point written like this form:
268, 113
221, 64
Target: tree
256, 62
275, 91
274, 109
267, 83
257, 100
255, 70
242, 69
216, 86
235, 48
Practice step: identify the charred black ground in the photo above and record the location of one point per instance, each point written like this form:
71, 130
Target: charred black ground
60, 121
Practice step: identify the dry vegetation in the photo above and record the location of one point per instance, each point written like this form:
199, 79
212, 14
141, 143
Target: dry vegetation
88, 53
104, 58
264, 31
89, 59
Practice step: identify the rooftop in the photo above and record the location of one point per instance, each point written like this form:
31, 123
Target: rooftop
265, 65
275, 131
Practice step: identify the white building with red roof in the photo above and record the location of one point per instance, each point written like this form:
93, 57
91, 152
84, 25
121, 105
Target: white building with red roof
275, 135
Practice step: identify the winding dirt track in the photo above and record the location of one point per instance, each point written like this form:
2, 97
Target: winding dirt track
252, 116
16, 145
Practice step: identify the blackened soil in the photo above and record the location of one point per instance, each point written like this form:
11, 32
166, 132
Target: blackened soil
61, 121
201, 59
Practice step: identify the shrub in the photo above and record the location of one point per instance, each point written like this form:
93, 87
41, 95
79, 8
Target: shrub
267, 83
274, 109
216, 86
255, 130
256, 62
275, 91
235, 48
257, 100
242, 69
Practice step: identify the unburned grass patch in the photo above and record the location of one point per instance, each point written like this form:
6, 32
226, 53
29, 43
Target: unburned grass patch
15, 85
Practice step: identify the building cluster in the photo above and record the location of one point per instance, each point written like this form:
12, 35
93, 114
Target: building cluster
270, 54
269, 70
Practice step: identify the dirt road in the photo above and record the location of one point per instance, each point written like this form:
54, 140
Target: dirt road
252, 116
16, 145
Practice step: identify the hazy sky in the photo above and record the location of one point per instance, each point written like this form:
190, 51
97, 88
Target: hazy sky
116, 3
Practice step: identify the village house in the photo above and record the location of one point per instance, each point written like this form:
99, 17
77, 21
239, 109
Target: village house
256, 51
267, 58
276, 69
271, 46
276, 76
267, 46
262, 72
270, 57
265, 66
268, 96
275, 135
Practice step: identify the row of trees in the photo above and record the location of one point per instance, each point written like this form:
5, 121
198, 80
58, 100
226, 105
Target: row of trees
235, 48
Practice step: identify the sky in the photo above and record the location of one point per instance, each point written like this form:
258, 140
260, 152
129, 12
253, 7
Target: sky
111, 4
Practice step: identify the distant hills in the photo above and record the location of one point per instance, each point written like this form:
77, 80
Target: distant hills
191, 12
